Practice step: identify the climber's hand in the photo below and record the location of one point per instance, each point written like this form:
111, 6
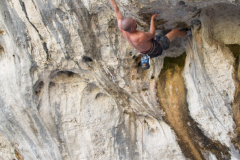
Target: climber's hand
155, 15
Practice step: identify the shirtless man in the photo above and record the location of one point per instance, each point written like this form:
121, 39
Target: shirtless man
144, 42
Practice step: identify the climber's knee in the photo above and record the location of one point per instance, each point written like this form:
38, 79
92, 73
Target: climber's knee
173, 34
176, 33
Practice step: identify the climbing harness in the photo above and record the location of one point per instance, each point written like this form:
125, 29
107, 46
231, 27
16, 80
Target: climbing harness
115, 80
145, 60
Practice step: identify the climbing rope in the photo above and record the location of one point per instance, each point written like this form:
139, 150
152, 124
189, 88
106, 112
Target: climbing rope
115, 80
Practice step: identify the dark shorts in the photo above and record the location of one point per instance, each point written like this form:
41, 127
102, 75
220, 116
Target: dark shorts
158, 46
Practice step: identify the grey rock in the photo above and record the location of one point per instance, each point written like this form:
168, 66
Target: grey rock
58, 99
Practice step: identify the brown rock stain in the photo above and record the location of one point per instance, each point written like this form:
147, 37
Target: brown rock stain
199, 41
172, 94
172, 97
235, 49
1, 49
18, 155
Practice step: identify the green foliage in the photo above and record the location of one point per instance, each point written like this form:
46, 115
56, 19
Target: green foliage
171, 63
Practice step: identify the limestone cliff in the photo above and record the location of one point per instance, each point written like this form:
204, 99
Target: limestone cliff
59, 101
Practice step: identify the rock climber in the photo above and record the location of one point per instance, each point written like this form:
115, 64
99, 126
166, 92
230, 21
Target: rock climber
145, 42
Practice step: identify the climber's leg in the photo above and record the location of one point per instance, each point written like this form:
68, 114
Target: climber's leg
176, 33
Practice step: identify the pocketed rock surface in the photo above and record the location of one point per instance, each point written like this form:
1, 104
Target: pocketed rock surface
59, 101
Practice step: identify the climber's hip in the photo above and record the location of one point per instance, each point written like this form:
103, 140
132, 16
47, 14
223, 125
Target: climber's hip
158, 46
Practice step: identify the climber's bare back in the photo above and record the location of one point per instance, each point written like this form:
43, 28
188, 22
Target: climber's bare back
136, 40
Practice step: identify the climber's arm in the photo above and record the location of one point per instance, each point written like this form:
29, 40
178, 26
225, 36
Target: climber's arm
152, 26
146, 36
118, 13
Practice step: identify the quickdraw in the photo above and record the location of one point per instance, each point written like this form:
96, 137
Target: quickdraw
113, 78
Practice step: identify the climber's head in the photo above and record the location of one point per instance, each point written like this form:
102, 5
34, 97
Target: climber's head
129, 25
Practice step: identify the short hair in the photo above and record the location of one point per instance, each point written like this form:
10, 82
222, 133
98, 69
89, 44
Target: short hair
127, 24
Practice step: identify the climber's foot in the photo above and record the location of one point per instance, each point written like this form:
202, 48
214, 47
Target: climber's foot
188, 33
188, 30
195, 22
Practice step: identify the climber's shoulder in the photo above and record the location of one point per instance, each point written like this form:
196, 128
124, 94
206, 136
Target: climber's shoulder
136, 36
140, 36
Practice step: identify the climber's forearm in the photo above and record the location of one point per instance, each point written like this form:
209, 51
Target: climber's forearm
116, 9
114, 5
152, 27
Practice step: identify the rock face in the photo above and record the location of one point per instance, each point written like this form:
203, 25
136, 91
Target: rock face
59, 101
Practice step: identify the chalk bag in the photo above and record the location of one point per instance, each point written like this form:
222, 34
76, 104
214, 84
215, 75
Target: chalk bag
145, 61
